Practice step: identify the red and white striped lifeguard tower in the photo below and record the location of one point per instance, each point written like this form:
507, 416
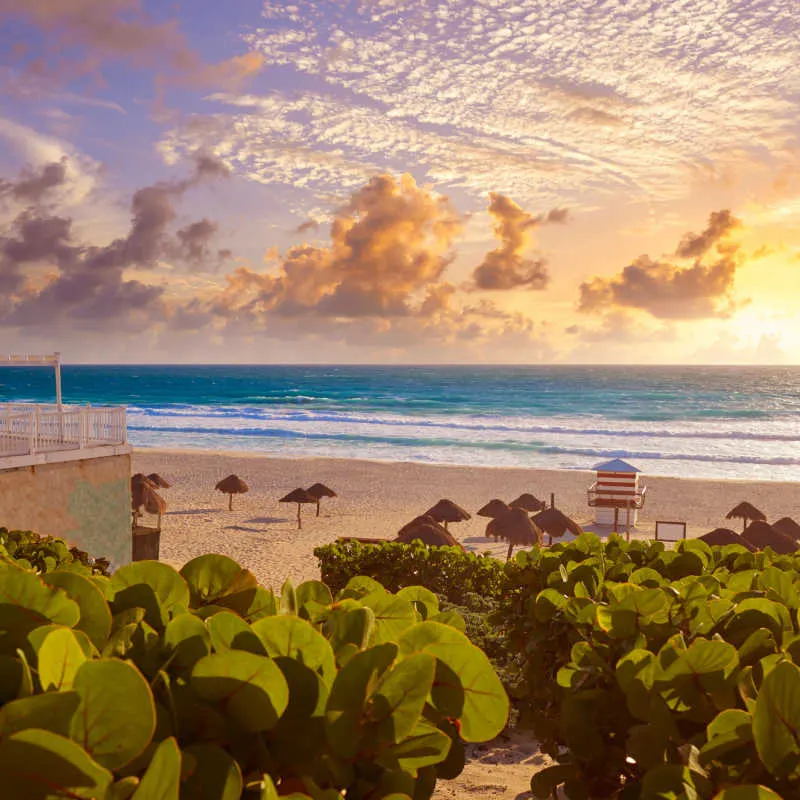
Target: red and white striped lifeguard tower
617, 487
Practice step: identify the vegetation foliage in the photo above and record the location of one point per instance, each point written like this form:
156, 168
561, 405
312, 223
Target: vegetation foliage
649, 673
159, 685
45, 554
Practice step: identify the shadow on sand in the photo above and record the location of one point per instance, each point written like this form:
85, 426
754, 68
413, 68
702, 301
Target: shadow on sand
269, 520
193, 511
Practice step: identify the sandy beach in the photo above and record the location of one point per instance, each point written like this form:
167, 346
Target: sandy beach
374, 500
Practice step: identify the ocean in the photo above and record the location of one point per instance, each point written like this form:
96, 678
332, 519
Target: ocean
710, 422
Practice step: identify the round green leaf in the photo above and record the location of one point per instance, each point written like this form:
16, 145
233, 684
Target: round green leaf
393, 614
230, 632
747, 793
116, 718
95, 619
59, 659
313, 592
188, 639
296, 638
214, 775
424, 600
359, 587
52, 712
40, 765
776, 720
251, 688
163, 777
26, 602
151, 585
211, 577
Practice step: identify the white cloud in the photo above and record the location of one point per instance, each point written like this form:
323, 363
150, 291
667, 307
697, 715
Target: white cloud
549, 102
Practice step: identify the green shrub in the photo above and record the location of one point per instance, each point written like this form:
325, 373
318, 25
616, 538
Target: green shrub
446, 571
159, 685
46, 553
649, 673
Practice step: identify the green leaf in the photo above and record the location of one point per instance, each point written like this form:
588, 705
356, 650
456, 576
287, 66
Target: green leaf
345, 719
393, 615
215, 578
425, 746
59, 659
41, 765
230, 632
213, 775
747, 793
122, 789
52, 711
545, 782
95, 616
250, 688
162, 779
674, 782
423, 599
188, 639
296, 638
396, 705
151, 585
350, 626
288, 604
116, 717
314, 592
729, 731
776, 721
359, 587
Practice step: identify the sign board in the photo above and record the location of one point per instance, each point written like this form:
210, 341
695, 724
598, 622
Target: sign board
670, 531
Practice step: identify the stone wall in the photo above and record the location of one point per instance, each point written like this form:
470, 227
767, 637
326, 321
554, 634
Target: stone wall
87, 502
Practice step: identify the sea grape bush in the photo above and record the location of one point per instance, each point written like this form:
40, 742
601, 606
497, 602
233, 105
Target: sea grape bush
202, 685
649, 673
446, 571
46, 553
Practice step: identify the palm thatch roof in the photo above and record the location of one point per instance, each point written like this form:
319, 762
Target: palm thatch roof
516, 528
447, 511
144, 495
556, 523
761, 535
320, 490
746, 511
298, 496
158, 481
494, 508
428, 531
233, 484
723, 536
788, 527
528, 502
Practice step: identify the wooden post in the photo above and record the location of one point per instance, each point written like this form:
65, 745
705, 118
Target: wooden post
552, 500
299, 519
628, 520
616, 519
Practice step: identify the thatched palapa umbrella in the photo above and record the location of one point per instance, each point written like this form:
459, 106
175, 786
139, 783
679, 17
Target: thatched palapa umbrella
788, 527
232, 485
141, 478
425, 529
144, 495
301, 497
555, 523
723, 536
528, 503
447, 511
494, 508
747, 513
761, 535
320, 490
516, 528
158, 481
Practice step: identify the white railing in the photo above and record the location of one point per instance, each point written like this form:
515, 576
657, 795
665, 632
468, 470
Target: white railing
28, 429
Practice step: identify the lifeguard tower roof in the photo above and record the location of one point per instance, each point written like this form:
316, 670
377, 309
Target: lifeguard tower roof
615, 465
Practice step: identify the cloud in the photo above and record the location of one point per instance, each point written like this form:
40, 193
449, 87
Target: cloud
720, 225
671, 291
506, 267
33, 185
118, 30
49, 277
389, 243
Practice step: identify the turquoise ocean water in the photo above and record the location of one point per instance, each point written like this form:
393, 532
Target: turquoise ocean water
729, 422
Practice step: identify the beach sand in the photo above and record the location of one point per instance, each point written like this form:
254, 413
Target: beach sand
375, 499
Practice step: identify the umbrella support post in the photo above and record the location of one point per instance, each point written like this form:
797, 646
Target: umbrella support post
299, 518
317, 507
616, 520
628, 522
508, 555
230, 502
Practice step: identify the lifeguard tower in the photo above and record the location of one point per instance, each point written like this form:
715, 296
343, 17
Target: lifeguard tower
616, 488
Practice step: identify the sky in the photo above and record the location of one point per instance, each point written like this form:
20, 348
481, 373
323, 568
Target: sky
401, 181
